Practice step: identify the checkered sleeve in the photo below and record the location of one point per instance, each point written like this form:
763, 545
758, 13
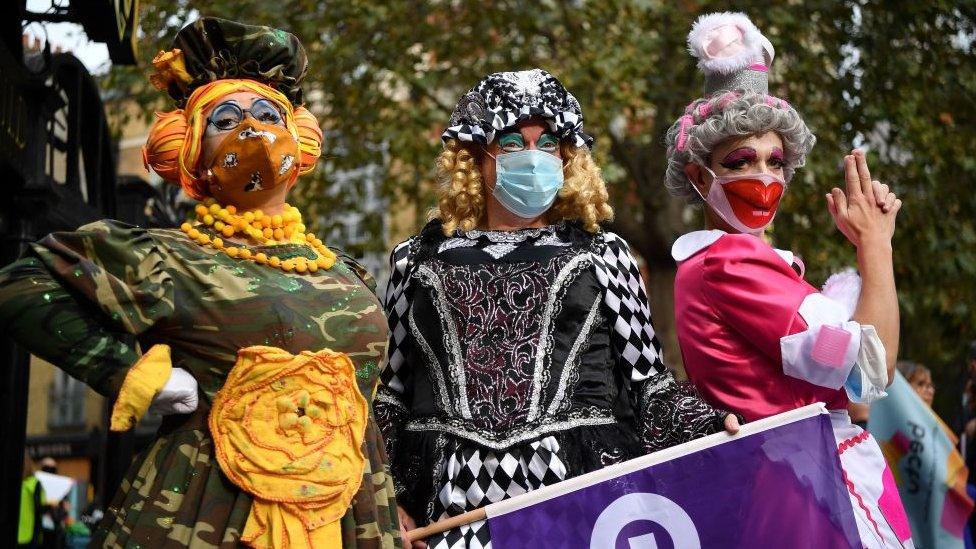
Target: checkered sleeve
392, 399
625, 303
668, 412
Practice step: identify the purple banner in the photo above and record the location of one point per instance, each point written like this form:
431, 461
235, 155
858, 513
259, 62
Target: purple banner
781, 487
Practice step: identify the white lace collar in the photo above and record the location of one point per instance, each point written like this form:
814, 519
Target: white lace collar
518, 235
504, 242
691, 243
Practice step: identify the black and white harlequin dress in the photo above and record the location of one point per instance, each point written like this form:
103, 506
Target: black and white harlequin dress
519, 359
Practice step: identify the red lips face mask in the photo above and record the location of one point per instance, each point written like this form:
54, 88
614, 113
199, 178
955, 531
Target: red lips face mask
746, 202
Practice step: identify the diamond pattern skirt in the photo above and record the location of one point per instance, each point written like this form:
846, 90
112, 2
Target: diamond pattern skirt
473, 477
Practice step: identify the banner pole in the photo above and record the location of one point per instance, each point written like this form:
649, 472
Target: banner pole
447, 524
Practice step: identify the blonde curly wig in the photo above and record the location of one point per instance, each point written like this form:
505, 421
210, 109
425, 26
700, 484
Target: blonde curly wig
461, 195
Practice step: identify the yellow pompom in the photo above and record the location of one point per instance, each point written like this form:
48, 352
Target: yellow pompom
279, 234
249, 216
276, 221
261, 258
232, 251
208, 219
244, 253
218, 243
268, 233
227, 231
284, 404
288, 420
186, 227
313, 411
231, 209
219, 225
274, 261
201, 209
214, 208
203, 239
312, 266
287, 265
193, 233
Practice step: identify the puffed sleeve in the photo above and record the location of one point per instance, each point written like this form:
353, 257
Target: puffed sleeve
757, 294
393, 395
75, 299
667, 412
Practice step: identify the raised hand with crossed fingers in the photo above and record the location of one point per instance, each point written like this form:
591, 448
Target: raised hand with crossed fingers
865, 212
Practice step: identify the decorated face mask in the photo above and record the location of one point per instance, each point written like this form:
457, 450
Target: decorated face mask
255, 157
747, 202
527, 182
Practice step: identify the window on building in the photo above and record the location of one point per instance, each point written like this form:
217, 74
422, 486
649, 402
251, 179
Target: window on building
67, 402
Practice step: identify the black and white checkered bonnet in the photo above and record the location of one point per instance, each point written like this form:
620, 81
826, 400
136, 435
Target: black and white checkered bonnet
500, 100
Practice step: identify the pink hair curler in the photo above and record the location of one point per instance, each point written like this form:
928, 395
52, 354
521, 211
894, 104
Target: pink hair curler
830, 347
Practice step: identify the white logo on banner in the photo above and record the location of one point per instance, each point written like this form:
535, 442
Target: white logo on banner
644, 507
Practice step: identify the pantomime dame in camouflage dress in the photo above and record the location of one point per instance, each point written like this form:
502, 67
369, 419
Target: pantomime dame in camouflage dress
271, 338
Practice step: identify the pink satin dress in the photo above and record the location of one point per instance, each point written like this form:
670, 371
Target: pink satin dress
736, 297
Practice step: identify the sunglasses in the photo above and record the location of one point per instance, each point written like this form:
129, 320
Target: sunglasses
228, 115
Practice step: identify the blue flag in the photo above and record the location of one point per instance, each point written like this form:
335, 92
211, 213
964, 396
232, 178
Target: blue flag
929, 471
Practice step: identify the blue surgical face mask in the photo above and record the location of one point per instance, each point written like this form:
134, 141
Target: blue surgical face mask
527, 182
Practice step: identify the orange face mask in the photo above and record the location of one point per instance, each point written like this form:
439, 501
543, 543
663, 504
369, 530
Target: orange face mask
256, 157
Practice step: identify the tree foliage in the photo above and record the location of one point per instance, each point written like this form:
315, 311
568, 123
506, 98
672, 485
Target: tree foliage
897, 77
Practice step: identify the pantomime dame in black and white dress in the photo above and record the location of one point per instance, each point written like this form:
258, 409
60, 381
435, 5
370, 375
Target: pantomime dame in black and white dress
522, 351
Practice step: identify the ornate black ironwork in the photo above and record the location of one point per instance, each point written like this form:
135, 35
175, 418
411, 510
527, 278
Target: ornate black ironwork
57, 171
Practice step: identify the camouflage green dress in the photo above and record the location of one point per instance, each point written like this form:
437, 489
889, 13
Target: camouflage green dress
74, 298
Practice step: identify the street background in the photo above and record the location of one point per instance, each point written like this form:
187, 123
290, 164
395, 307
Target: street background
896, 78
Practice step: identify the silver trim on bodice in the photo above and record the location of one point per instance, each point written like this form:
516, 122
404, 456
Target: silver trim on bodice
542, 417
587, 416
569, 272
450, 331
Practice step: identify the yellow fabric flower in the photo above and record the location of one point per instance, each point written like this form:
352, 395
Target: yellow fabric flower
144, 379
289, 429
170, 67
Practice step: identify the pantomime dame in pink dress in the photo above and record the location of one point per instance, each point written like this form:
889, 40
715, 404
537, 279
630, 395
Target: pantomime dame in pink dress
756, 338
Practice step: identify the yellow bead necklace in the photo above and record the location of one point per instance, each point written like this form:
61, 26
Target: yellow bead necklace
264, 230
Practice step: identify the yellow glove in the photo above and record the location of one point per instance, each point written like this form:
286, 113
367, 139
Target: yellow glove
145, 378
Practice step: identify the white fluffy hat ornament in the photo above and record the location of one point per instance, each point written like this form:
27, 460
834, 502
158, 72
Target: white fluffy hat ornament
731, 52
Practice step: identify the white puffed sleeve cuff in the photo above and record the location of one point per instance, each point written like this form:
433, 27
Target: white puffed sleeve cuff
835, 351
869, 377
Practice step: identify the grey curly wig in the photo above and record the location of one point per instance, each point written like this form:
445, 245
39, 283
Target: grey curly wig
710, 121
